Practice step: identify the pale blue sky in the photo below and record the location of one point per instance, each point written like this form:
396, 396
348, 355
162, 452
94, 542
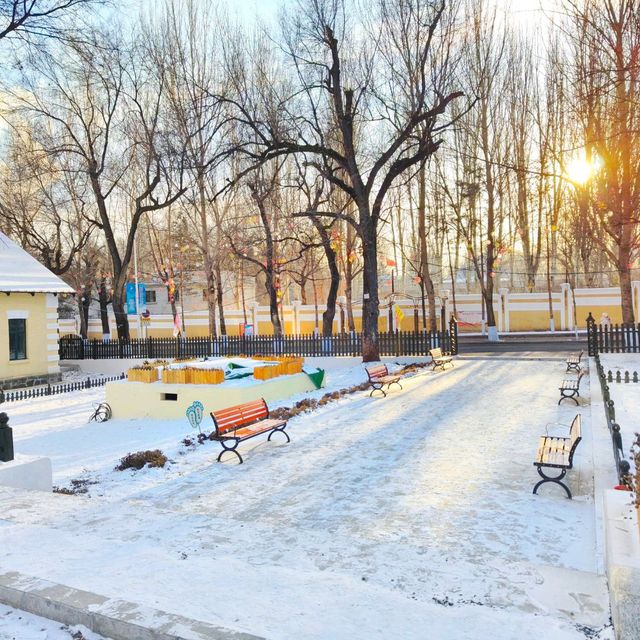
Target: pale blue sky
521, 9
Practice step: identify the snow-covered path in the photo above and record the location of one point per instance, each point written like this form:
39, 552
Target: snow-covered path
405, 517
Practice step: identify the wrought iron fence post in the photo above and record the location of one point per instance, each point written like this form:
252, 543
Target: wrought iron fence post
453, 335
592, 338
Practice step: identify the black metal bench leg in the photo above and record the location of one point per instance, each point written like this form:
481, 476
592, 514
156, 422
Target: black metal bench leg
397, 384
564, 396
555, 479
281, 430
377, 389
232, 449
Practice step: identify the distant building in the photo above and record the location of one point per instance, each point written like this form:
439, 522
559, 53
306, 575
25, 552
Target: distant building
28, 318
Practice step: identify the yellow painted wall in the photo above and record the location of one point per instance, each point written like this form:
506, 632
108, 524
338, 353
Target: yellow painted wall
38, 351
530, 320
526, 312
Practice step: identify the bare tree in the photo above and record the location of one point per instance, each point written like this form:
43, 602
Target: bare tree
43, 204
103, 108
30, 20
605, 41
189, 57
345, 84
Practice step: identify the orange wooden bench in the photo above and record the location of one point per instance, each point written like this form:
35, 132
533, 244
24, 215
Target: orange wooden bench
244, 421
379, 377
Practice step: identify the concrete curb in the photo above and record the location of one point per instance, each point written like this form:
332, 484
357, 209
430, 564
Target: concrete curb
110, 617
616, 529
623, 563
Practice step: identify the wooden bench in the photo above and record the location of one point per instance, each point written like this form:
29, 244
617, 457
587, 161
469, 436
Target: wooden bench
573, 361
438, 359
557, 453
244, 421
379, 377
570, 389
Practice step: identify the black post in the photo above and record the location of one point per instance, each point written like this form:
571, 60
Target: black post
6, 439
453, 335
592, 338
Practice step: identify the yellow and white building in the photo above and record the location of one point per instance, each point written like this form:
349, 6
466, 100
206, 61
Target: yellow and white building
28, 318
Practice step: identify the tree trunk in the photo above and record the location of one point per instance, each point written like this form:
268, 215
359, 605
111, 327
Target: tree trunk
122, 321
219, 293
370, 302
273, 303
84, 302
303, 290
348, 294
626, 294
103, 301
332, 262
348, 279
206, 255
425, 274
491, 223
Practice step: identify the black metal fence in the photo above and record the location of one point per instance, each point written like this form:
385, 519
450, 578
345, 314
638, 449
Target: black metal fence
622, 465
53, 389
397, 343
612, 338
621, 378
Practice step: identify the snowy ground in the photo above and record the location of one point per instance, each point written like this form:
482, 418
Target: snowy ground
381, 517
18, 625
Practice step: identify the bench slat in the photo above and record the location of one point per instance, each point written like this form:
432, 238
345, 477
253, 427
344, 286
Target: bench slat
256, 428
558, 451
239, 415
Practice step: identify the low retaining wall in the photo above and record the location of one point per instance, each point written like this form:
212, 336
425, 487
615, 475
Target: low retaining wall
27, 472
170, 401
623, 563
110, 617
30, 381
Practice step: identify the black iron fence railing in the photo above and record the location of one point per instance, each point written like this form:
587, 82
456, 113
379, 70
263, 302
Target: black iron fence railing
53, 389
396, 343
623, 378
612, 338
622, 465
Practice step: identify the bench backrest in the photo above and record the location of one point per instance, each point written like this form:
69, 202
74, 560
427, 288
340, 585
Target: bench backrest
240, 415
377, 371
436, 353
575, 435
580, 376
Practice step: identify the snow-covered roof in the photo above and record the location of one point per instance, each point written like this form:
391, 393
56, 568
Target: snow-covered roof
21, 272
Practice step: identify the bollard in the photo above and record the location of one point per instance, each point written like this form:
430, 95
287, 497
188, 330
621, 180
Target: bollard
6, 439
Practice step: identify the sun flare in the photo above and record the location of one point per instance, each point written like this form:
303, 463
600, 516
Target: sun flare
581, 169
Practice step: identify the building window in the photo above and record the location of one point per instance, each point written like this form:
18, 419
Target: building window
17, 339
151, 296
